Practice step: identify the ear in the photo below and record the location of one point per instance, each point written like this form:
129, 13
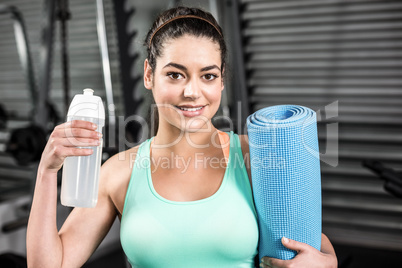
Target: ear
147, 75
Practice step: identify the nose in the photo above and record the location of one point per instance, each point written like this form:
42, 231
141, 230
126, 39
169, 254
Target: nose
192, 89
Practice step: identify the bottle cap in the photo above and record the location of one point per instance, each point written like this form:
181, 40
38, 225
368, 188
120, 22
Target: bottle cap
88, 91
87, 105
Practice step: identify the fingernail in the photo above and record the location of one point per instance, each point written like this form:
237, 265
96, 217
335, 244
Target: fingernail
99, 134
285, 240
94, 126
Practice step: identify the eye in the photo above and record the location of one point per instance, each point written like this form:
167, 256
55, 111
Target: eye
210, 77
175, 76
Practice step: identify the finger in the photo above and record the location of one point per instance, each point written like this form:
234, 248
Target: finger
266, 262
263, 265
81, 133
76, 129
82, 124
77, 124
77, 152
54, 140
294, 245
79, 142
63, 152
275, 263
75, 138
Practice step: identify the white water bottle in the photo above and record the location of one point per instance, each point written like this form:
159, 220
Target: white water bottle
80, 181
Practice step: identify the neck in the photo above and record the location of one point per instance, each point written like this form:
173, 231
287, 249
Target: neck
185, 142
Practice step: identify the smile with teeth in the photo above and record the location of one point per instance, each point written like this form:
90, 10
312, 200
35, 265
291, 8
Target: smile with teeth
190, 109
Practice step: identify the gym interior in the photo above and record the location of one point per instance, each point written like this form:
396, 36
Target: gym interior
343, 59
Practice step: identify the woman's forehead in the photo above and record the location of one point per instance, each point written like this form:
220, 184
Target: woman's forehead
188, 48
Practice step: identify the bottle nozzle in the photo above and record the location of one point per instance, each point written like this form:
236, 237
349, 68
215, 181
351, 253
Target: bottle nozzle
88, 91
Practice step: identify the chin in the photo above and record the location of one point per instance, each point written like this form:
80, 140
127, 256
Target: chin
194, 128
199, 125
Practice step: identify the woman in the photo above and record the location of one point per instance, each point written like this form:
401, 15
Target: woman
180, 196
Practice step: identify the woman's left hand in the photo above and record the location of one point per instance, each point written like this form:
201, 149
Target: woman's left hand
307, 256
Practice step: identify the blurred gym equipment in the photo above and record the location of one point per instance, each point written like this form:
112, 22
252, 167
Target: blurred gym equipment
24, 144
392, 178
3, 118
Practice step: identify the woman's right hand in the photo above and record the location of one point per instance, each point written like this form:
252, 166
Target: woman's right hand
64, 141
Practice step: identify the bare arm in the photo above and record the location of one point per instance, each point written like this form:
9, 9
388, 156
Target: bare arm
43, 243
84, 228
246, 154
326, 246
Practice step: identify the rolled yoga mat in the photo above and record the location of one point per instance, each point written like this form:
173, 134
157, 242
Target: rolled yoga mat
285, 172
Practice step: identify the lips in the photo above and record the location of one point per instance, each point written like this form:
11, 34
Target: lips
191, 110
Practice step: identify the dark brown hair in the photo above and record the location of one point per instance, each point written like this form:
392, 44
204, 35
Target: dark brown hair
158, 35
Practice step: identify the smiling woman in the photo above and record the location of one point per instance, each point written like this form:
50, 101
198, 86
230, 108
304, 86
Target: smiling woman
182, 197
173, 24
186, 84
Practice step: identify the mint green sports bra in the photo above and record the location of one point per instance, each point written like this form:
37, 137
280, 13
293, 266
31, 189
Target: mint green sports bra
218, 231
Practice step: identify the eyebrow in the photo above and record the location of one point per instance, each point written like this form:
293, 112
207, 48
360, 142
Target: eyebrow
184, 68
210, 68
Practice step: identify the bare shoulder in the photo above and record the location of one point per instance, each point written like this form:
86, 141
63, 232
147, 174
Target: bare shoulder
246, 153
116, 173
244, 145
120, 161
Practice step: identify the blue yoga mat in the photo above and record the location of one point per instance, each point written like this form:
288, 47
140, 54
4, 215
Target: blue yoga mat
285, 172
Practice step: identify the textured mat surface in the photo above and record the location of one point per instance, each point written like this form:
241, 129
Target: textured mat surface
285, 171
